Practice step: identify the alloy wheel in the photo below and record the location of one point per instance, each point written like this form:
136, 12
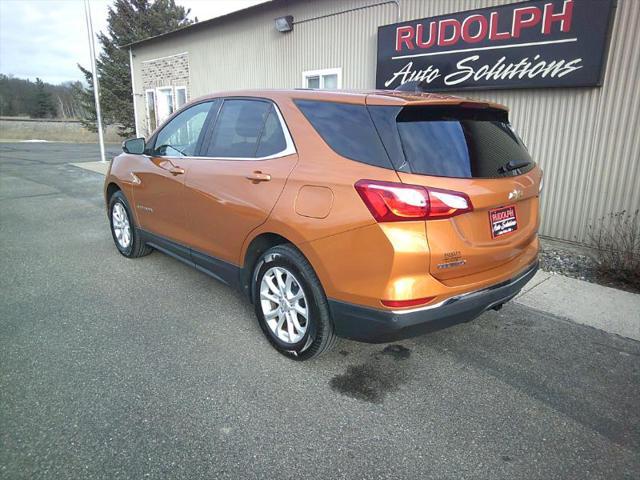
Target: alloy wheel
121, 225
284, 305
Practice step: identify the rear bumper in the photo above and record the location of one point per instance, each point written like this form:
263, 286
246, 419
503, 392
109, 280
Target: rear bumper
370, 325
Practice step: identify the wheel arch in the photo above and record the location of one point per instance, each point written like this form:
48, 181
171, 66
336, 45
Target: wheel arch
111, 188
113, 185
268, 238
256, 247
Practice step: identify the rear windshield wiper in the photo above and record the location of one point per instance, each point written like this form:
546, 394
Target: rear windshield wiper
513, 165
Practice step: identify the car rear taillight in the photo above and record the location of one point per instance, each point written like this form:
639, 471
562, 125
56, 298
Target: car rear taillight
397, 202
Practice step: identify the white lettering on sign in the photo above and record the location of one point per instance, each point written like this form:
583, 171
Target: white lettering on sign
468, 69
407, 74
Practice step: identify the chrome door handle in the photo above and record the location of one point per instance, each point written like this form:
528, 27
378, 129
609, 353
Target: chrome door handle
176, 171
257, 177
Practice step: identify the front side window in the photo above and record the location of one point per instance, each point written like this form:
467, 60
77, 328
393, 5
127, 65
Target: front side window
246, 129
179, 137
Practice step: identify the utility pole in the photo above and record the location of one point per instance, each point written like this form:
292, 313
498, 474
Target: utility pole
94, 71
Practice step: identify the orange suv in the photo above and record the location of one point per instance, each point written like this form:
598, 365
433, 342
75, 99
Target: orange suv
373, 216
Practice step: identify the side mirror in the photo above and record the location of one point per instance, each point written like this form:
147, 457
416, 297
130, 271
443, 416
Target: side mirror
134, 146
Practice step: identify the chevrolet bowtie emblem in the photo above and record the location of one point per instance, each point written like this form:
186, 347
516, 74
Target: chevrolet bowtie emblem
515, 194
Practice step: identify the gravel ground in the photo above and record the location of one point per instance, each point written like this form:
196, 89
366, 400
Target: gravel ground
577, 262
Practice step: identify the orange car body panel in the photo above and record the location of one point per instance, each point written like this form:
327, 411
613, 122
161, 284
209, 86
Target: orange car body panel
223, 205
311, 201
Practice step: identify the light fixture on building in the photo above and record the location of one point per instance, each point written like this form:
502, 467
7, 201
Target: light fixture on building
284, 24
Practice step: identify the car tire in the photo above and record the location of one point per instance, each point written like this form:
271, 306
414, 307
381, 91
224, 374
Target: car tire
123, 231
285, 286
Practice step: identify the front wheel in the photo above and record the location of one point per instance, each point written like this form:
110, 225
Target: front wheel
123, 230
290, 304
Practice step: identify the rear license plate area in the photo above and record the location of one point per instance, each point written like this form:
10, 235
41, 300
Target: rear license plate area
503, 221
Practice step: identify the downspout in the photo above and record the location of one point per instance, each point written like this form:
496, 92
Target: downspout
133, 94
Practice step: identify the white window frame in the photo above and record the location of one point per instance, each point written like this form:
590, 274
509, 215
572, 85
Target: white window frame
175, 96
320, 74
155, 109
173, 99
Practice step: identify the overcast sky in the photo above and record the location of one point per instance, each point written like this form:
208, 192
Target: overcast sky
47, 38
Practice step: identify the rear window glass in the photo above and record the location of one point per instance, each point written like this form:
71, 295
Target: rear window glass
462, 143
347, 129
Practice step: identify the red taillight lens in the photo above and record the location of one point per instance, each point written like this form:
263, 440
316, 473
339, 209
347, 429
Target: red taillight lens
397, 202
406, 303
446, 204
393, 202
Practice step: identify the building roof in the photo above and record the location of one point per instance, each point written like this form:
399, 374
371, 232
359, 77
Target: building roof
204, 23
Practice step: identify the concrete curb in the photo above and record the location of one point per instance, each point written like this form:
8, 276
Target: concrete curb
605, 308
96, 167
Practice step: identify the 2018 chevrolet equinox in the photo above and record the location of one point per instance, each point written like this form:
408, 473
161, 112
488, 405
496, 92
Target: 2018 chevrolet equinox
373, 216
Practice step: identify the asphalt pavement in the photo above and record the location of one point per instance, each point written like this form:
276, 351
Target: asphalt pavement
116, 368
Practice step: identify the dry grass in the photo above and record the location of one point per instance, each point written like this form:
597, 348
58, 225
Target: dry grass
23, 129
616, 238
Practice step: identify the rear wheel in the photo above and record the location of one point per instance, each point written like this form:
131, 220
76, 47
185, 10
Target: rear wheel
123, 230
290, 304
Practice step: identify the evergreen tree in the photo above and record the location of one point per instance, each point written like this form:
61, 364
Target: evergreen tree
128, 21
43, 105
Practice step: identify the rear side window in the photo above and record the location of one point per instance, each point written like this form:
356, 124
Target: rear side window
272, 140
347, 129
246, 129
455, 142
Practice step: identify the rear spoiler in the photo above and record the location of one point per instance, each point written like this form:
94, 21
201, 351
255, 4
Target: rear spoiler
461, 111
451, 106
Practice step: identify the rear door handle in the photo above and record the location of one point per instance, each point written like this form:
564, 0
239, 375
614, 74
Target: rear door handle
176, 170
257, 177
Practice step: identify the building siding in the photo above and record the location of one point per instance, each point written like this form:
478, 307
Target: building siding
584, 138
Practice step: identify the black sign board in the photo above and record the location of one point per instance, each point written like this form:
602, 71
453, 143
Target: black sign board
534, 44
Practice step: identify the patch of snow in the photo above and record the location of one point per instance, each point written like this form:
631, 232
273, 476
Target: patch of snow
34, 141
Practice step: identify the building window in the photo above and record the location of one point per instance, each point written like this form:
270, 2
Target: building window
181, 97
164, 103
152, 121
327, 79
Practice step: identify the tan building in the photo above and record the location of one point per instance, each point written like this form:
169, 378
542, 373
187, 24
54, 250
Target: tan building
579, 118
